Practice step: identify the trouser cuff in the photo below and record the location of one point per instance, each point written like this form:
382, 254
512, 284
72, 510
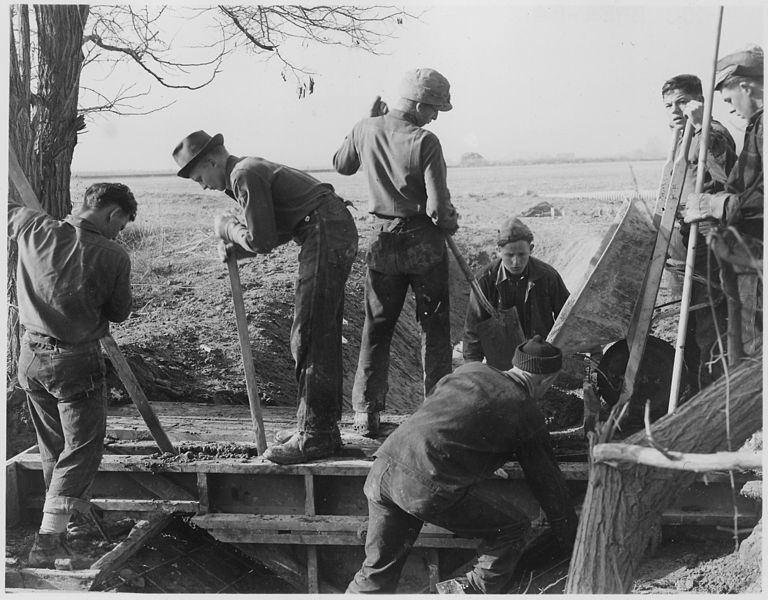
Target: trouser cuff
66, 504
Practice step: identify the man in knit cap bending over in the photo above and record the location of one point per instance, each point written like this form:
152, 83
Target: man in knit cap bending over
438, 468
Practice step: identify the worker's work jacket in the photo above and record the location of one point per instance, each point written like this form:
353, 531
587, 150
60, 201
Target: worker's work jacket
404, 165
745, 184
475, 420
276, 199
71, 280
545, 295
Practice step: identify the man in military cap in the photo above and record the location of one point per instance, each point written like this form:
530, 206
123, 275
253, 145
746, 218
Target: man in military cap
281, 204
683, 95
438, 467
409, 196
515, 279
737, 211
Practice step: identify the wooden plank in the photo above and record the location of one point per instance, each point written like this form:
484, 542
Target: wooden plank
313, 580
51, 579
433, 569
21, 183
134, 390
127, 504
12, 494
203, 494
251, 383
161, 486
141, 533
284, 566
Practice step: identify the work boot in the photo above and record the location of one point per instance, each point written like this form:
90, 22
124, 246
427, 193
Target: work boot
367, 423
283, 435
46, 549
460, 585
304, 446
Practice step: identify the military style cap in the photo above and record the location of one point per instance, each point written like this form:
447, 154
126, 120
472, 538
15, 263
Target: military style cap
514, 230
427, 86
744, 63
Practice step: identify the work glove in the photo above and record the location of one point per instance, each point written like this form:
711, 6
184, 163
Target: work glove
379, 108
224, 249
694, 111
701, 206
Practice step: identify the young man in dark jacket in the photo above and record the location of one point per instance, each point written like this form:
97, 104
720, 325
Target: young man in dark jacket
438, 467
737, 212
515, 279
73, 279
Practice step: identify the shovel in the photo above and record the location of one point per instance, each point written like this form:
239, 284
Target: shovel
501, 333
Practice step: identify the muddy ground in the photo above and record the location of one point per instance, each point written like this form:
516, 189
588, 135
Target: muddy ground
182, 341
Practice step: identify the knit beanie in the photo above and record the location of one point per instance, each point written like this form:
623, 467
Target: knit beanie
537, 356
514, 230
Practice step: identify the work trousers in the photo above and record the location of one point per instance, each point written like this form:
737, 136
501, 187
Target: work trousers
66, 393
398, 506
328, 240
404, 253
701, 355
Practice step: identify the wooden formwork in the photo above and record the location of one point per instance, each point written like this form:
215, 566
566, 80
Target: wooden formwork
305, 522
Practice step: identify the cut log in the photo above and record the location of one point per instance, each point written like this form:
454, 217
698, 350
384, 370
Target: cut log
621, 503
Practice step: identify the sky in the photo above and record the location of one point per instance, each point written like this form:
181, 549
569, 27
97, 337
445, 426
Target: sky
527, 80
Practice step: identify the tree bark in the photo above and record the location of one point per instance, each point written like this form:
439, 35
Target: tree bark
43, 123
623, 503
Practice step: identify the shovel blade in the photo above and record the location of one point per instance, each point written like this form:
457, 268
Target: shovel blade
500, 335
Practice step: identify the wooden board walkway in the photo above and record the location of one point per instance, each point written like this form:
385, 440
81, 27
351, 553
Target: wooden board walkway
281, 515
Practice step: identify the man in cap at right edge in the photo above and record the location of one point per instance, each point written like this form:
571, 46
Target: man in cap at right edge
737, 212
406, 175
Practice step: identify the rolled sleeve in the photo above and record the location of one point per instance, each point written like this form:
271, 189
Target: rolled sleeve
439, 206
346, 161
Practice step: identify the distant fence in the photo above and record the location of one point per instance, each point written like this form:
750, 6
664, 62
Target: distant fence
610, 195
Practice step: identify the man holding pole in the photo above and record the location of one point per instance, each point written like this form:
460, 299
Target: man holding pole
681, 94
279, 204
73, 279
737, 211
409, 195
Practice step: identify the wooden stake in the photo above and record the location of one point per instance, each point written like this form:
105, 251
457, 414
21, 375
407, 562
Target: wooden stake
245, 350
685, 302
134, 390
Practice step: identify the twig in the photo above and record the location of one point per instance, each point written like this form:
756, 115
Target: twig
553, 584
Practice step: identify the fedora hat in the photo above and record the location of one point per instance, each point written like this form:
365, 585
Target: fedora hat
193, 147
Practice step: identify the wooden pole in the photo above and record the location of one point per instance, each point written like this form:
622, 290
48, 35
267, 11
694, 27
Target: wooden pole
679, 461
690, 259
666, 171
641, 321
245, 350
20, 181
134, 390
487, 306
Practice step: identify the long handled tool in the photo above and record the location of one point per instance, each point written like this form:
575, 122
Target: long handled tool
502, 332
245, 349
641, 321
129, 380
690, 258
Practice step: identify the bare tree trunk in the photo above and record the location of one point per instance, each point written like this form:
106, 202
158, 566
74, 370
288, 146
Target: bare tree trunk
60, 37
623, 503
43, 125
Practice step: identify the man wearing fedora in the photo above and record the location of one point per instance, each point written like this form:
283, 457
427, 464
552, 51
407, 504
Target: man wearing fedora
737, 211
438, 467
281, 204
409, 196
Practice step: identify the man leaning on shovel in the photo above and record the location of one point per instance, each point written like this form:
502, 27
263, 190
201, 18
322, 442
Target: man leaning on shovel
409, 196
282, 204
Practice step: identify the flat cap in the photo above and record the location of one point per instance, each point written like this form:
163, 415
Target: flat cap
744, 63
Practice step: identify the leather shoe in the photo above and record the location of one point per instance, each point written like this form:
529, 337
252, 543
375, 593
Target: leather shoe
283, 435
304, 446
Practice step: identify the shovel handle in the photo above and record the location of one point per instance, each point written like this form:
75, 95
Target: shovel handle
245, 351
487, 306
